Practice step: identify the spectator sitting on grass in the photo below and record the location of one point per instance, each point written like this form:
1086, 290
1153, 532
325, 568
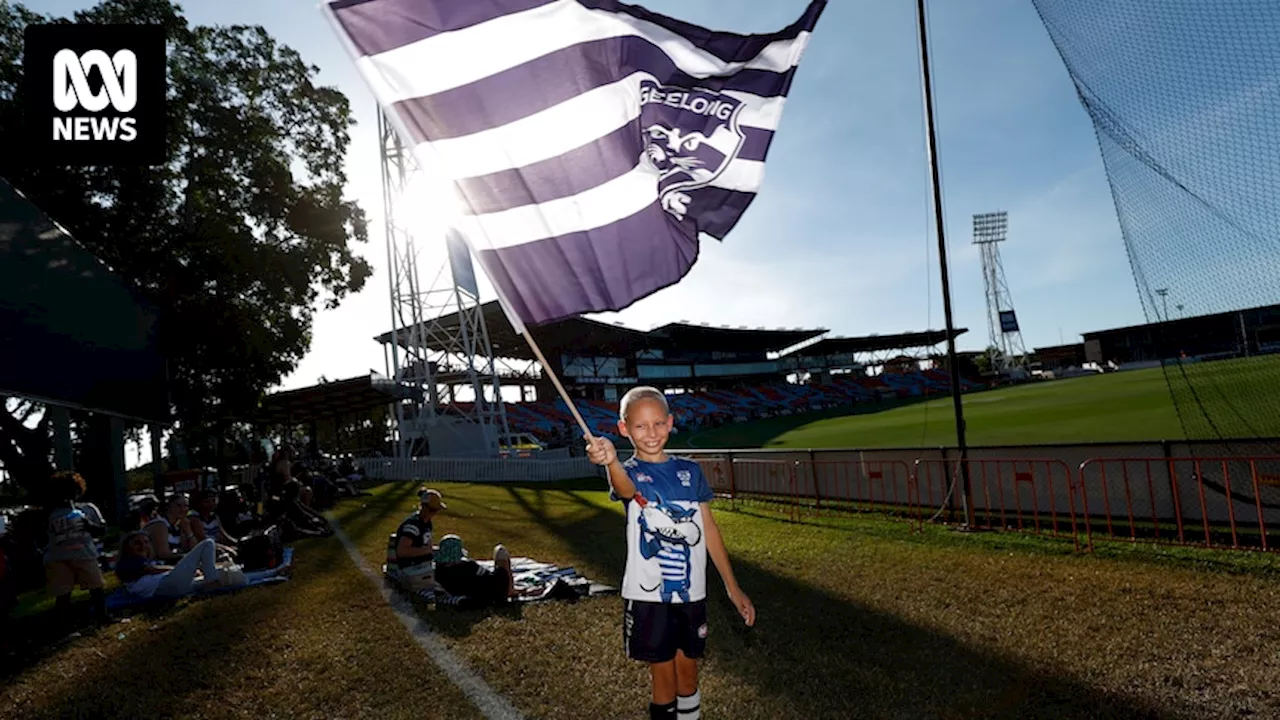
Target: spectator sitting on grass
470, 583
296, 518
206, 524
170, 532
144, 511
414, 552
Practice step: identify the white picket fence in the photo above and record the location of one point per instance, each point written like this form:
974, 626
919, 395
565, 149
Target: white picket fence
478, 470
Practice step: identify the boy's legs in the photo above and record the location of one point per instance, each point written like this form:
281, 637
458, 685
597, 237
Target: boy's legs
647, 633
688, 699
664, 681
675, 688
691, 621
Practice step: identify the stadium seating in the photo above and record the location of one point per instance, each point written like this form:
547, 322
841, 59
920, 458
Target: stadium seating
699, 411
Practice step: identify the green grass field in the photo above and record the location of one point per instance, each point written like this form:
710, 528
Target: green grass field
859, 617
1127, 406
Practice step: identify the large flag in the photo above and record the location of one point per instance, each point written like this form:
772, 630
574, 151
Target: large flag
590, 141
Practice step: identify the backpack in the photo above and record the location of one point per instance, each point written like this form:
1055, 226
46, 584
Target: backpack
261, 550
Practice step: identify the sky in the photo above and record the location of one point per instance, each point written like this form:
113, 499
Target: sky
841, 234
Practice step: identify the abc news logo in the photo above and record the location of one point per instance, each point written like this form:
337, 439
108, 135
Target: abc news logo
95, 94
71, 90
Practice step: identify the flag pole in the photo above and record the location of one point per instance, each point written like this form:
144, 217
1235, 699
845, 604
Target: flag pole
952, 357
564, 394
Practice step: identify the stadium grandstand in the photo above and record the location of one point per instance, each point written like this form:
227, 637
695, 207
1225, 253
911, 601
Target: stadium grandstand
1217, 336
712, 375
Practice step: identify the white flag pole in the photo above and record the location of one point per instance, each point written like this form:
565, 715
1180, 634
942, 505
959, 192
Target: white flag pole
564, 394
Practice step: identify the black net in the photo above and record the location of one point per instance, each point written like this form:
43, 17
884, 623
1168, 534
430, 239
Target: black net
1185, 98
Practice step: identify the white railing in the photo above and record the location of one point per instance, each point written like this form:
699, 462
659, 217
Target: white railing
478, 470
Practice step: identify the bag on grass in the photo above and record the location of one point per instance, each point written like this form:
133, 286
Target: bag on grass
261, 550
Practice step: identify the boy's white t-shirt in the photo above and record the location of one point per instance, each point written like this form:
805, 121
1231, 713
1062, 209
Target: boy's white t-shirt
666, 543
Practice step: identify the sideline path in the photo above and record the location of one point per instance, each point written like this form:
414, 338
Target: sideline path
492, 705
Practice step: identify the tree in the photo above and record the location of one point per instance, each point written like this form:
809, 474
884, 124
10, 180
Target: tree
988, 362
239, 236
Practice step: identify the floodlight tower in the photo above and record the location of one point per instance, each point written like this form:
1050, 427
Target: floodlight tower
439, 342
989, 230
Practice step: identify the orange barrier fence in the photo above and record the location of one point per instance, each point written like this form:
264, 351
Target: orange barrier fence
1226, 502
1221, 502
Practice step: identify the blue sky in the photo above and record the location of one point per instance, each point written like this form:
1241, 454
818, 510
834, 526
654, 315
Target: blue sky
841, 234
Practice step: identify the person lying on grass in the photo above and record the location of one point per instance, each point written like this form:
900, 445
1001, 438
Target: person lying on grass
670, 531
144, 577
469, 583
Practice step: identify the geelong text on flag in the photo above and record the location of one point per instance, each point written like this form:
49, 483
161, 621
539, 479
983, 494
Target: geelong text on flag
590, 141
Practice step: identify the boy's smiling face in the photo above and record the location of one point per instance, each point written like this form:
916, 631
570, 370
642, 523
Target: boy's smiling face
648, 425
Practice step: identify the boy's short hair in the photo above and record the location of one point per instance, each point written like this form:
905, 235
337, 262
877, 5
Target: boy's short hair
643, 392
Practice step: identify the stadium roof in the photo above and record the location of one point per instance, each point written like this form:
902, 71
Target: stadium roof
1188, 321
577, 334
687, 336
72, 332
875, 343
331, 399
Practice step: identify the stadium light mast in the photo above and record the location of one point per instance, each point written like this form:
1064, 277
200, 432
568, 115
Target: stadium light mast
952, 357
438, 341
989, 230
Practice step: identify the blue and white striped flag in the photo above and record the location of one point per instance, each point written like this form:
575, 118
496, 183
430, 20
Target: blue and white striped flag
590, 141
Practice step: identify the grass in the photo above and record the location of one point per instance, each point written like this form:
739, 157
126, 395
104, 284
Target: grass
1116, 407
863, 618
858, 618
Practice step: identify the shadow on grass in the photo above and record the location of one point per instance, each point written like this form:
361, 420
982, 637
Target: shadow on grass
123, 686
35, 638
810, 644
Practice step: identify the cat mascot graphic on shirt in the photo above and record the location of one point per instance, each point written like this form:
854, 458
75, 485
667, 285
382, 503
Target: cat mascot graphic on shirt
668, 532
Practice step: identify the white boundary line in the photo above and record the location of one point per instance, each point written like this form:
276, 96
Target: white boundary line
492, 705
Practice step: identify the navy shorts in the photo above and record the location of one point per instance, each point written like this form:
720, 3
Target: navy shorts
653, 631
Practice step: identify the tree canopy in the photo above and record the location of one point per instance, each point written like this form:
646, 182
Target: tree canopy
241, 235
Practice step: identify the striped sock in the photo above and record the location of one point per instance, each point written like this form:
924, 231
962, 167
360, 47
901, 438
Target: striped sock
690, 707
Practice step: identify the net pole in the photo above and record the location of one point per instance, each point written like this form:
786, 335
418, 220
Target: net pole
935, 181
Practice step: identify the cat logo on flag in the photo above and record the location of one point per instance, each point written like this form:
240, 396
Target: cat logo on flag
691, 136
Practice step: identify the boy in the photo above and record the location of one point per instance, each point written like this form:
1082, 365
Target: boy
670, 532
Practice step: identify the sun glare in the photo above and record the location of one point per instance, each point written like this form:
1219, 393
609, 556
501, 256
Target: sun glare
428, 206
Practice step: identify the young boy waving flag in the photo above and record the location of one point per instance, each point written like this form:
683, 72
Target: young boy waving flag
670, 532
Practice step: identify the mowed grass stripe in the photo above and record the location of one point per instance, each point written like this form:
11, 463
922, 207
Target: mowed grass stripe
862, 618
1116, 407
324, 645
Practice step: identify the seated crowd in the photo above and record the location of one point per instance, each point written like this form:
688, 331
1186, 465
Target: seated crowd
190, 543
184, 543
